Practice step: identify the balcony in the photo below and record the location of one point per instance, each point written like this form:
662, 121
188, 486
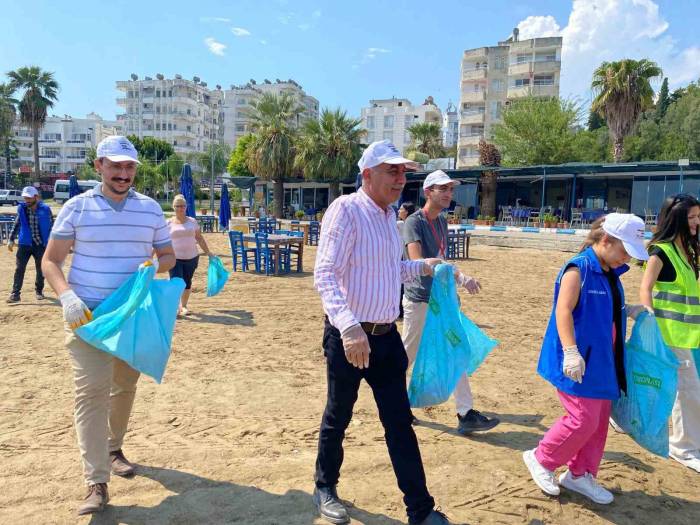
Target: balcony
535, 68
474, 74
473, 96
535, 91
470, 139
472, 117
480, 52
122, 102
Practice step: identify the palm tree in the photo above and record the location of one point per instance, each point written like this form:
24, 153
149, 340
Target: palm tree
8, 113
623, 91
39, 95
271, 152
488, 156
426, 137
328, 149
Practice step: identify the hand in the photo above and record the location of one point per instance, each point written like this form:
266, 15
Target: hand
470, 284
150, 262
75, 312
574, 365
429, 265
10, 246
356, 346
633, 310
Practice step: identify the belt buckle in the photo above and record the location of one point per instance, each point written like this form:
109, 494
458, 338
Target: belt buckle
374, 326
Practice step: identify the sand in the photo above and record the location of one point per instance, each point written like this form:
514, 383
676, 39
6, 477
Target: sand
230, 435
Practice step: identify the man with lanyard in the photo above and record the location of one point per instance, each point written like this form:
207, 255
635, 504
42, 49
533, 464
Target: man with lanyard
358, 275
33, 224
425, 235
113, 231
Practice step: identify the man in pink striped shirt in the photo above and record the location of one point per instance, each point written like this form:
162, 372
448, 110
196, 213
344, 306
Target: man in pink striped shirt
358, 275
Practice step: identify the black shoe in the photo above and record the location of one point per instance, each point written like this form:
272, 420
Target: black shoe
14, 298
329, 505
475, 421
435, 518
40, 296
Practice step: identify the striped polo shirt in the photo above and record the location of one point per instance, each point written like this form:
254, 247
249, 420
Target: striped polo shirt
111, 239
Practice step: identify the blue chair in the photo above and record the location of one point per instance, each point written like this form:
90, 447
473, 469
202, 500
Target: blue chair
238, 249
314, 233
265, 256
295, 251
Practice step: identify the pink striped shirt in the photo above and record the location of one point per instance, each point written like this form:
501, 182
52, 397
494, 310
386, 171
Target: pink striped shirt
359, 270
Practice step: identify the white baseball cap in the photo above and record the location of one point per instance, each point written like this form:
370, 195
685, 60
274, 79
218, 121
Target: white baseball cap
438, 178
29, 191
117, 149
630, 230
383, 152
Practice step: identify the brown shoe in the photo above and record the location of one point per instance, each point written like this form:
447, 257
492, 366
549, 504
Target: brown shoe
96, 499
120, 465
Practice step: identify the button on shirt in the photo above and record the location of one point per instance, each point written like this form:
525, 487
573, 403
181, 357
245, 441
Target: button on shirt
359, 270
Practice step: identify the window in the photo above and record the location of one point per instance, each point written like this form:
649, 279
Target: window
241, 102
240, 128
400, 104
408, 121
522, 59
52, 136
544, 80
495, 110
388, 135
189, 128
389, 121
521, 82
500, 62
240, 114
546, 57
174, 142
170, 127
497, 86
170, 92
370, 122
157, 93
157, 126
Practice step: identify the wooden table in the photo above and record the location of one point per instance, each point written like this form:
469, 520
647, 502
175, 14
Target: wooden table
276, 242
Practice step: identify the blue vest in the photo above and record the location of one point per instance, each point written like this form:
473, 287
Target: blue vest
25, 233
593, 326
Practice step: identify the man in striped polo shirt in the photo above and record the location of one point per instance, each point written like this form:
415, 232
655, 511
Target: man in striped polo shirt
112, 230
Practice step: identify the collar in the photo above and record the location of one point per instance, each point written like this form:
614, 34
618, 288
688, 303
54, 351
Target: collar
595, 263
97, 190
368, 200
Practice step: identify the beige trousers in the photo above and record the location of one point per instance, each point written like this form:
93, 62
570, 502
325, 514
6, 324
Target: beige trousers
104, 394
685, 436
413, 323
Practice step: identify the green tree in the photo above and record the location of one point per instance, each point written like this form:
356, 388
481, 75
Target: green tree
150, 148
87, 171
328, 149
592, 146
595, 121
8, 113
663, 101
491, 157
623, 91
274, 118
217, 155
426, 137
537, 131
238, 163
40, 93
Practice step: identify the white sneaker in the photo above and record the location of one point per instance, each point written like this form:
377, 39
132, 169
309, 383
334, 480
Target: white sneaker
586, 485
617, 428
544, 478
690, 460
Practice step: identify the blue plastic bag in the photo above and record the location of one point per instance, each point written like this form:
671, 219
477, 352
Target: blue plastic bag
136, 322
450, 346
651, 370
217, 275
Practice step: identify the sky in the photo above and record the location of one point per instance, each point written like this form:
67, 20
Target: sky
342, 53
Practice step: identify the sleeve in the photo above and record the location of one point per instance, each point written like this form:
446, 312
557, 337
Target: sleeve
63, 228
334, 247
15, 229
412, 230
410, 270
161, 234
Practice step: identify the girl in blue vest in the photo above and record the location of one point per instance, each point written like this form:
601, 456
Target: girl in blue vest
583, 356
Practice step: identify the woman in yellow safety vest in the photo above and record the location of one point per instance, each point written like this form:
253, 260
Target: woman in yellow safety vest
670, 288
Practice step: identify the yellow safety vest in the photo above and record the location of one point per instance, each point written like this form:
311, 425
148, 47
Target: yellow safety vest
677, 304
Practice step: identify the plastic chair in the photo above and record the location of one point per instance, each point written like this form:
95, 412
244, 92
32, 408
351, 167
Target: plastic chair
314, 233
238, 249
265, 256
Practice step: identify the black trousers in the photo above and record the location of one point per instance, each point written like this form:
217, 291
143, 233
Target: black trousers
386, 376
24, 253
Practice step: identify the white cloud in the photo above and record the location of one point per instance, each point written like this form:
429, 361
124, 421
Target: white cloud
285, 18
316, 14
370, 54
215, 47
239, 31
606, 30
214, 19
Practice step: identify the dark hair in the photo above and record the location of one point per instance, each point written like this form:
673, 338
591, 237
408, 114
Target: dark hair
409, 207
673, 222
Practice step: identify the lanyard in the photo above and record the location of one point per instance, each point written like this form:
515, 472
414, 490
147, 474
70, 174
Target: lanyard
438, 238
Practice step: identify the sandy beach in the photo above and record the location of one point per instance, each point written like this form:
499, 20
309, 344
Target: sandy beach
230, 435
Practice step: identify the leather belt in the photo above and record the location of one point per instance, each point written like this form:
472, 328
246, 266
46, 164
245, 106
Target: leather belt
377, 328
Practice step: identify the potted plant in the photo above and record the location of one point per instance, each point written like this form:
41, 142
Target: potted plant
299, 214
549, 220
490, 221
562, 225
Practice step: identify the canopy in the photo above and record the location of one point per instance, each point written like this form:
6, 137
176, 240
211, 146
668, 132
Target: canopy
187, 189
224, 208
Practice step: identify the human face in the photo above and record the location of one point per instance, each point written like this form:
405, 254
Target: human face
117, 177
31, 201
384, 183
440, 196
403, 213
694, 220
180, 210
613, 253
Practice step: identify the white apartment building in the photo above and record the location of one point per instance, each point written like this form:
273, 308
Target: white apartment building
450, 126
235, 110
493, 76
184, 113
63, 141
390, 119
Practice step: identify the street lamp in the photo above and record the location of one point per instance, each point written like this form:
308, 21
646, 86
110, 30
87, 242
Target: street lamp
681, 163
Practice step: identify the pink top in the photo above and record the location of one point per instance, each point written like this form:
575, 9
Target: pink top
183, 238
359, 269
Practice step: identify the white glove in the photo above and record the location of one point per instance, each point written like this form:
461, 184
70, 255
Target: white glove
429, 266
574, 365
470, 284
356, 345
150, 262
75, 312
633, 310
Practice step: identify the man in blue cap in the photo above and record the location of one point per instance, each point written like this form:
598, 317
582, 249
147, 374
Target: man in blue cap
33, 225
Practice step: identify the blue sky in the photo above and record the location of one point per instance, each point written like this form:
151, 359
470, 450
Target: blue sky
343, 53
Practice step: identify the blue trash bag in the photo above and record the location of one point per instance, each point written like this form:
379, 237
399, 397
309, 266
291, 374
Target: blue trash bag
136, 322
450, 346
217, 275
651, 369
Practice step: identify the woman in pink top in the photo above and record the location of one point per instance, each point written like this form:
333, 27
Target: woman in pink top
185, 235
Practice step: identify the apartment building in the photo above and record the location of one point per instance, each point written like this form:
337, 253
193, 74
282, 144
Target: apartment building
236, 108
450, 126
63, 142
184, 113
492, 77
390, 119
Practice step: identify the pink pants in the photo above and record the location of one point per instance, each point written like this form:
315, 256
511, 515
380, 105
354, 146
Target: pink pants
577, 439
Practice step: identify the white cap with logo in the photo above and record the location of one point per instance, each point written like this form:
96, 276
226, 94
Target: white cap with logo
630, 230
117, 149
29, 191
383, 152
438, 178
